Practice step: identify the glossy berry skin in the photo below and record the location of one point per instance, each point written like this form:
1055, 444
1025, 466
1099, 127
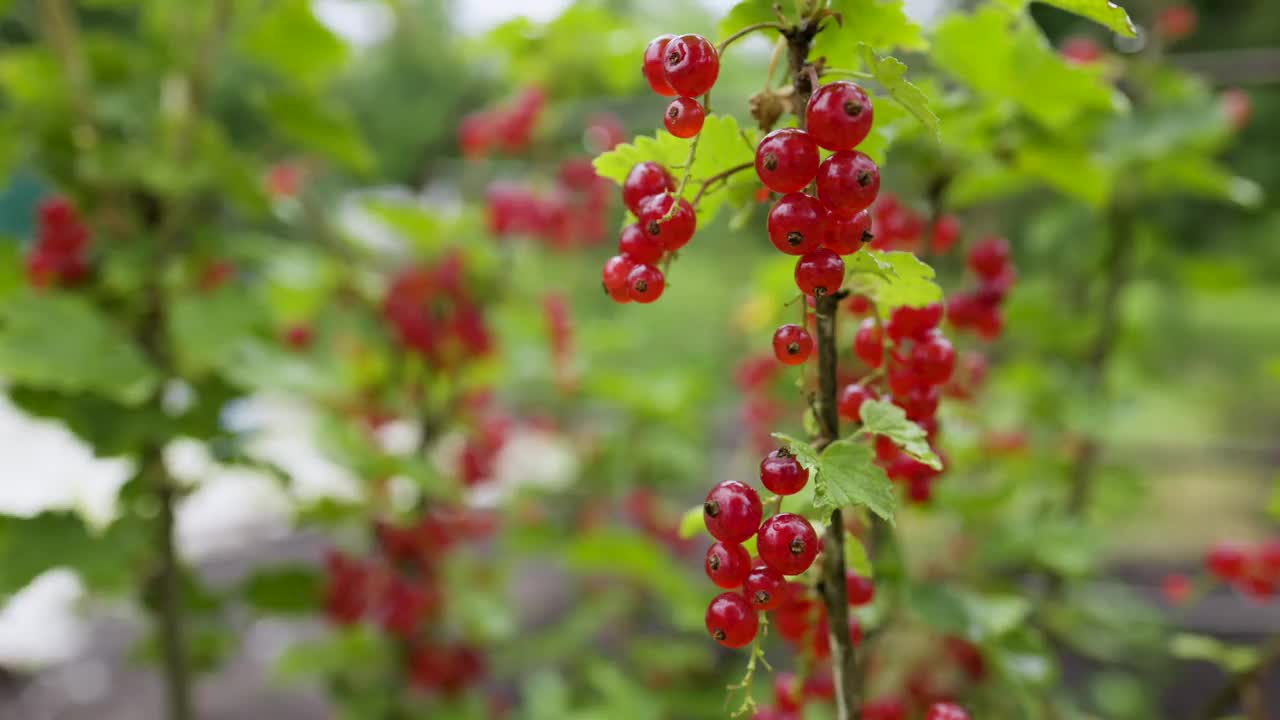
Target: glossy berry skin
684, 117
846, 234
732, 511
727, 564
765, 588
645, 180
782, 474
731, 620
933, 358
912, 322
797, 223
786, 160
849, 402
1226, 561
654, 68
848, 181
691, 64
787, 543
645, 283
640, 246
792, 344
819, 273
616, 271
946, 711
988, 257
860, 590
868, 345
839, 115
673, 232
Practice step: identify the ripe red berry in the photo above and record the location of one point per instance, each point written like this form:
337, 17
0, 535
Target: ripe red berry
1080, 50
820, 272
946, 711
691, 64
616, 271
645, 180
684, 117
860, 590
298, 336
868, 345
640, 246
849, 403
765, 588
782, 474
797, 223
732, 511
946, 231
731, 620
727, 564
792, 344
654, 68
848, 181
1176, 588
839, 115
859, 305
1237, 106
884, 709
787, 692
920, 402
913, 322
674, 232
1226, 561
988, 257
846, 234
1176, 21
786, 160
787, 543
933, 358
645, 283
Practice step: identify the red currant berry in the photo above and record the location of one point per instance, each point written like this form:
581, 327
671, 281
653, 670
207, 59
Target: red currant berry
946, 711
727, 564
839, 115
621, 295
859, 589
946, 231
1176, 588
911, 322
797, 223
787, 692
640, 246
884, 709
988, 257
765, 588
684, 117
846, 234
859, 305
731, 620
1226, 561
654, 67
848, 181
1176, 21
692, 65
674, 232
1080, 50
782, 474
616, 271
787, 543
868, 345
786, 160
849, 403
920, 403
933, 358
819, 273
645, 283
792, 344
645, 180
1267, 556
732, 511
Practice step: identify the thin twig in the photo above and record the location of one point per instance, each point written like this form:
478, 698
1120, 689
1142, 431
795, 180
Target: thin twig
723, 175
747, 31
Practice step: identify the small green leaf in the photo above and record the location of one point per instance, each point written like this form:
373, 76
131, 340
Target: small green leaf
892, 279
692, 523
803, 451
880, 417
1189, 646
940, 607
855, 556
891, 74
285, 591
207, 329
1105, 13
848, 476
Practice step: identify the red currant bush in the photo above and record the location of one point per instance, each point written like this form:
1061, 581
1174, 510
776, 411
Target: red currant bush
838, 115
782, 474
684, 117
787, 543
732, 511
792, 344
727, 564
731, 620
797, 223
786, 160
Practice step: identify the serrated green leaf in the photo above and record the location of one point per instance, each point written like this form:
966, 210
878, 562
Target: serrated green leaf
892, 279
891, 74
880, 417
803, 451
1105, 13
692, 523
880, 24
59, 341
848, 476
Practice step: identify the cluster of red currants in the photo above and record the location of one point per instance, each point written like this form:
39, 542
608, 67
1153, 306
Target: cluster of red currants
682, 67
899, 227
401, 592
663, 226
508, 129
59, 255
572, 214
978, 310
434, 314
1252, 571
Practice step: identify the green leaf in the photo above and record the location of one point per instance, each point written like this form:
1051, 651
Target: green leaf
892, 76
284, 591
319, 125
207, 329
880, 417
1102, 12
641, 560
998, 614
940, 607
745, 13
892, 280
803, 451
855, 556
105, 560
881, 24
692, 523
722, 145
848, 476
59, 341
290, 40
